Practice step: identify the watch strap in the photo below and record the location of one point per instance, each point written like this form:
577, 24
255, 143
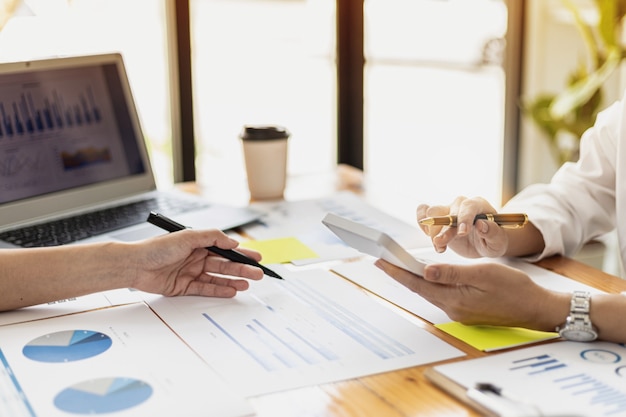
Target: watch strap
579, 319
579, 307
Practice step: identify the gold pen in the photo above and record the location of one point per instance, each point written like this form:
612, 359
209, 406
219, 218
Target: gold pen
505, 220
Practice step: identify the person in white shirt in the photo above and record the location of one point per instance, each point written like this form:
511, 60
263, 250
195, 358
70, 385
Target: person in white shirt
173, 264
584, 200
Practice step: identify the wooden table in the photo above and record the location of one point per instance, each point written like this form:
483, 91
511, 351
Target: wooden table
400, 393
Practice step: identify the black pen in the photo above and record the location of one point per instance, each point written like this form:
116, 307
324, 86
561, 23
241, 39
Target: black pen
506, 220
172, 226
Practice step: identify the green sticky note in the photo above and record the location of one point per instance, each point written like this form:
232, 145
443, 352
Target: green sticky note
489, 338
278, 251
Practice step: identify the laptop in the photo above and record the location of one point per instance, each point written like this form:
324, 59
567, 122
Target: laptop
73, 161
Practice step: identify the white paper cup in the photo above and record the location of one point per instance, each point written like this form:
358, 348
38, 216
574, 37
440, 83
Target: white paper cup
265, 155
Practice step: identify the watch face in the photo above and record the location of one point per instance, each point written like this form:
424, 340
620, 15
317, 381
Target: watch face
578, 335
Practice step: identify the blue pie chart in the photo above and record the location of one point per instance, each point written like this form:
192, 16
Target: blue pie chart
103, 395
67, 346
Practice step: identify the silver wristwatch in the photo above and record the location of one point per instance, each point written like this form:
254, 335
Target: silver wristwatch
578, 325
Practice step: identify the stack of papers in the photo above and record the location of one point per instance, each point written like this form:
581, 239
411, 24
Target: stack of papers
104, 362
302, 220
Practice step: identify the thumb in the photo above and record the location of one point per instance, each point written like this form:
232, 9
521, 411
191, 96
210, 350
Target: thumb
448, 274
483, 275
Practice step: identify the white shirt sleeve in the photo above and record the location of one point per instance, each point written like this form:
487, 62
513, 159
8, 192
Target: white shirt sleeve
579, 202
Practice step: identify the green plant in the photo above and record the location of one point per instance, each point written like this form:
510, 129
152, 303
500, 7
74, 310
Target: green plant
574, 110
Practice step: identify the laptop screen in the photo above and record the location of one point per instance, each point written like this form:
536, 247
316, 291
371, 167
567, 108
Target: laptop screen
62, 128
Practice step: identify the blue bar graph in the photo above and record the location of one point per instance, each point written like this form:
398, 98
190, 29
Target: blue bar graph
537, 364
582, 387
29, 115
282, 340
598, 393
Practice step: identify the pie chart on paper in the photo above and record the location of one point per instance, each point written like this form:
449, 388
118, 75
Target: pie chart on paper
103, 395
67, 346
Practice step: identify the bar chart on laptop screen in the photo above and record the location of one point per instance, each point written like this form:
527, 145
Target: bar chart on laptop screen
60, 129
35, 113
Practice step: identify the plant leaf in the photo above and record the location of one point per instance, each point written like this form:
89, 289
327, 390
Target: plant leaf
581, 91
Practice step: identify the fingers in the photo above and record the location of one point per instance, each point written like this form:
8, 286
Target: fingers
424, 210
490, 240
222, 266
220, 287
213, 237
441, 236
404, 277
435, 232
223, 241
485, 276
467, 238
250, 253
467, 210
475, 275
446, 274
210, 285
439, 295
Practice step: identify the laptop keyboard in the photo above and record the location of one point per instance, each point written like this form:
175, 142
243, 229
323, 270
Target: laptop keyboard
76, 227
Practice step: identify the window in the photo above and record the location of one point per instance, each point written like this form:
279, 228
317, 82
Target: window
434, 89
434, 98
262, 62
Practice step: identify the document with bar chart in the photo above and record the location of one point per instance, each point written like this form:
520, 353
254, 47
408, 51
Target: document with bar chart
561, 378
104, 363
313, 327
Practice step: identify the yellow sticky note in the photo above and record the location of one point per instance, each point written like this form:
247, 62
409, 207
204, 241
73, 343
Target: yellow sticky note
278, 251
489, 338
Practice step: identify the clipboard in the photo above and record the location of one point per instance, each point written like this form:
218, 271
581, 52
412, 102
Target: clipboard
457, 390
561, 378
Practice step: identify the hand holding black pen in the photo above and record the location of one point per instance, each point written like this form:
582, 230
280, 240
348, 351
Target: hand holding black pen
232, 255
